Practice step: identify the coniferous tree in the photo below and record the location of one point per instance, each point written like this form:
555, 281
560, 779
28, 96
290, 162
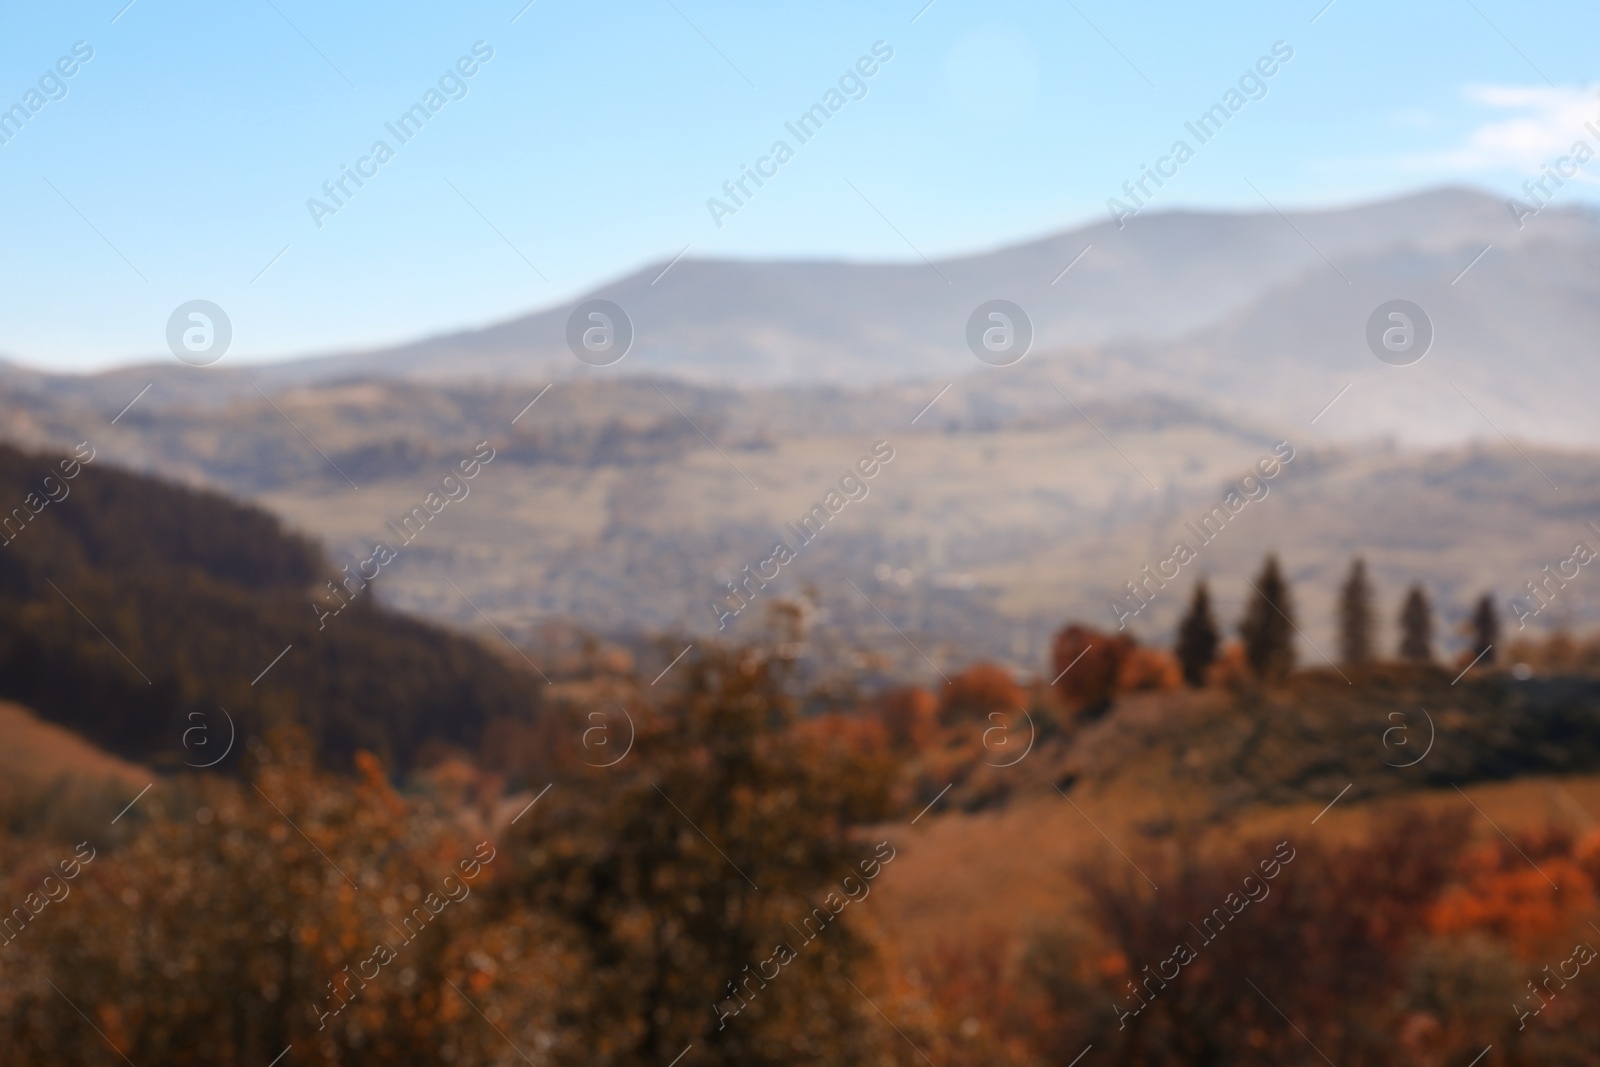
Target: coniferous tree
1198, 637
1268, 624
1355, 616
1416, 627
1485, 627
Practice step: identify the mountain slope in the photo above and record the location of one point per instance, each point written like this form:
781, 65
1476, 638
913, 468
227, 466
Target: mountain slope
1162, 277
1506, 356
1258, 316
763, 323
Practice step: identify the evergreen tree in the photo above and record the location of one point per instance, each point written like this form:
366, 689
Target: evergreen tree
1416, 627
1198, 637
1485, 627
1355, 616
1268, 624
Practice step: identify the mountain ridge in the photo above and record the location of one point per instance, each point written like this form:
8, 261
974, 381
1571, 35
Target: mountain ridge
1449, 213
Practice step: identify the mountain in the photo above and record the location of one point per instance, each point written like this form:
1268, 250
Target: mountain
1258, 315
1506, 358
1159, 278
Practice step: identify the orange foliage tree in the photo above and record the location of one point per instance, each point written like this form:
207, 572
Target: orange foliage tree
1086, 666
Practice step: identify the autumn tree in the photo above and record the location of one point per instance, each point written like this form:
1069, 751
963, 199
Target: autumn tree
1355, 616
684, 868
1268, 625
1087, 664
1484, 628
1198, 637
1416, 627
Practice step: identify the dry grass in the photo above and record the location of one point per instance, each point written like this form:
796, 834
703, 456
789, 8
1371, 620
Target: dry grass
38, 753
959, 878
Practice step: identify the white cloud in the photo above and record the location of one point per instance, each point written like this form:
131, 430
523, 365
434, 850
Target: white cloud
1543, 124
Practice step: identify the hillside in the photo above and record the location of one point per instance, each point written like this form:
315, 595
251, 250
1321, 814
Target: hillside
38, 754
1000, 852
966, 876
130, 608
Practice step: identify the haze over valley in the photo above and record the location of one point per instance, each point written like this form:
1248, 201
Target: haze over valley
1166, 362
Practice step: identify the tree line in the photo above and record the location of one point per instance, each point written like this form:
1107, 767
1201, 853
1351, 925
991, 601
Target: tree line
1268, 628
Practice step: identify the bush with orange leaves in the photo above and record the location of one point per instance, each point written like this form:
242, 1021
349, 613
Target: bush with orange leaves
1326, 946
1412, 948
1510, 890
1231, 670
967, 1004
1516, 910
1149, 669
1392, 952
980, 690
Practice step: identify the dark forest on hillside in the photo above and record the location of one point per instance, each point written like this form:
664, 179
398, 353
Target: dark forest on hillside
130, 603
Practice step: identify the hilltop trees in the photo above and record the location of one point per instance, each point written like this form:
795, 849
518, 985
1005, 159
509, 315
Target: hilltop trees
1355, 616
1416, 627
1268, 625
1268, 631
1198, 637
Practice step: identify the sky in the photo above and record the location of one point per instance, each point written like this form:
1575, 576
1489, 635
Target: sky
179, 161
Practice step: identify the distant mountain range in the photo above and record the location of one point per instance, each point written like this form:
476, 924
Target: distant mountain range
1159, 279
1260, 315
1168, 359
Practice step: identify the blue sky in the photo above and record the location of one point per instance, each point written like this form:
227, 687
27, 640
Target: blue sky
179, 163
